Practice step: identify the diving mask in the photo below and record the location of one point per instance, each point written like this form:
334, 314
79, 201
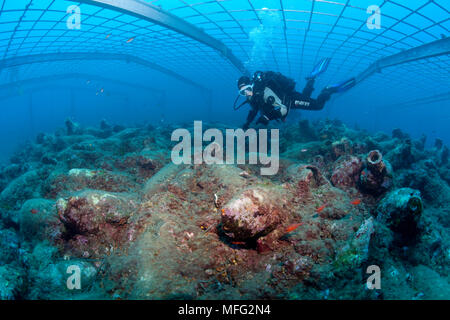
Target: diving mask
244, 89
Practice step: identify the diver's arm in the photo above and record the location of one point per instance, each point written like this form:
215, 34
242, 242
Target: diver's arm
251, 116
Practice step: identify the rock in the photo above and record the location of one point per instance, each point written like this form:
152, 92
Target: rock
438, 144
72, 128
39, 220
306, 131
376, 177
60, 184
104, 125
399, 134
253, 213
25, 187
9, 249
12, 171
299, 266
342, 147
48, 275
354, 253
346, 171
400, 210
401, 157
12, 281
140, 227
49, 161
420, 144
95, 222
40, 138
306, 177
443, 157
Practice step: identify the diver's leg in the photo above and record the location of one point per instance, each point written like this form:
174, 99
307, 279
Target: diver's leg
309, 88
315, 104
304, 101
323, 97
299, 101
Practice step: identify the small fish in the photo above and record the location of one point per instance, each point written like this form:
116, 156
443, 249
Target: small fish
363, 173
34, 211
318, 210
356, 202
88, 82
292, 227
238, 242
107, 36
102, 90
131, 40
304, 150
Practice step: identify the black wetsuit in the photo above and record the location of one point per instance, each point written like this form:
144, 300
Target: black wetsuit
272, 111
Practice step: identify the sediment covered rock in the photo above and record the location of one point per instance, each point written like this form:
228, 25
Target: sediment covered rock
376, 177
95, 222
346, 172
400, 210
109, 201
253, 213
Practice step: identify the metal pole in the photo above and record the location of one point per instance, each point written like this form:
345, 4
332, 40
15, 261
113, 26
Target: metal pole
433, 49
156, 15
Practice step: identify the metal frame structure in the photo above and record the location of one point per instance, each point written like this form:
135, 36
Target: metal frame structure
84, 76
51, 57
434, 49
206, 40
421, 101
146, 11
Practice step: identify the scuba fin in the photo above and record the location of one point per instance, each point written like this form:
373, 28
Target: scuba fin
320, 68
342, 86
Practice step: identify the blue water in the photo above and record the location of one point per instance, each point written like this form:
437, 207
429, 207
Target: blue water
64, 60
256, 36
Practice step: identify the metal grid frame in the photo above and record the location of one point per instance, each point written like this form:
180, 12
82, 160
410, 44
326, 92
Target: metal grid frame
94, 37
340, 35
381, 43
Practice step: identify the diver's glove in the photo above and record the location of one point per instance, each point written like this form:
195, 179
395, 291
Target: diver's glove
263, 120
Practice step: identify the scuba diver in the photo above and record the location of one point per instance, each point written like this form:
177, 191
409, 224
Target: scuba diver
273, 95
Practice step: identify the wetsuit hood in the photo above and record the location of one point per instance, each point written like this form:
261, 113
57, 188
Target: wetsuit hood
243, 81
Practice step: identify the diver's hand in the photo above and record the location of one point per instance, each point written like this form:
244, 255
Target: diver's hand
263, 120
